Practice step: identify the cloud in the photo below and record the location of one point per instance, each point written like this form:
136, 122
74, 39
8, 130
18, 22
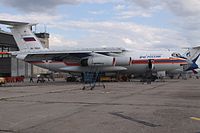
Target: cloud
144, 3
94, 1
128, 41
59, 42
136, 8
113, 32
131, 14
43, 6
184, 7
185, 14
120, 7
96, 12
125, 34
35, 6
177, 7
106, 33
187, 18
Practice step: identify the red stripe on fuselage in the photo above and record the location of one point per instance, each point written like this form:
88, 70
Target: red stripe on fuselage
4, 53
71, 64
161, 61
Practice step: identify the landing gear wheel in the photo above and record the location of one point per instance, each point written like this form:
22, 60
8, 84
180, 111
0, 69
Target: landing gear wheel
83, 88
92, 88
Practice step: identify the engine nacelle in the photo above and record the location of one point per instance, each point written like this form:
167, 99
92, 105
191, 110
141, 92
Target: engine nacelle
106, 61
21, 56
98, 61
122, 61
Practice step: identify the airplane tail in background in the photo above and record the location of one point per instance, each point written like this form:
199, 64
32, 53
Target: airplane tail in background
192, 54
24, 37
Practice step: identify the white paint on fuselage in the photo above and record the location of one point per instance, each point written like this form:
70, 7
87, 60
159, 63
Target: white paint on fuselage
142, 54
141, 68
51, 66
133, 68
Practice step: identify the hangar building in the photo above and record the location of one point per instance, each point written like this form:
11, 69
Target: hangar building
10, 66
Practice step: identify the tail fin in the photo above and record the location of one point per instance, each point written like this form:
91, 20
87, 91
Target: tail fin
195, 59
192, 54
24, 37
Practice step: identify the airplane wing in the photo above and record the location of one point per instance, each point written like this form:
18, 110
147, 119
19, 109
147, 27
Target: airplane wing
76, 58
70, 54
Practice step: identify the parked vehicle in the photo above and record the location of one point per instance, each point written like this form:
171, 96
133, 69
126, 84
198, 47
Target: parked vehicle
2, 81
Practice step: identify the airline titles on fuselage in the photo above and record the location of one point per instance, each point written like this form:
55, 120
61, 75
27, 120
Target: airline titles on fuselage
149, 56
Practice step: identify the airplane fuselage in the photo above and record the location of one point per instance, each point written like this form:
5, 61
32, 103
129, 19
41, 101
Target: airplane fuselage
138, 63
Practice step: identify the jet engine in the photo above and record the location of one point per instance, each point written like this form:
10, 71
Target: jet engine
98, 61
106, 61
122, 61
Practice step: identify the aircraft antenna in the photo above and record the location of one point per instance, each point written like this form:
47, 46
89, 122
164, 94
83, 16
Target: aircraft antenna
45, 28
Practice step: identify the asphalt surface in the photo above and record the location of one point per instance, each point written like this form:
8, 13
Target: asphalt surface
122, 107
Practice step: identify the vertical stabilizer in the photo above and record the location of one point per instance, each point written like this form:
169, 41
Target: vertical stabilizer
193, 53
24, 37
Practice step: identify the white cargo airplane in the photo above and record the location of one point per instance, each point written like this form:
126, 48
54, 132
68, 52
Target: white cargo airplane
91, 59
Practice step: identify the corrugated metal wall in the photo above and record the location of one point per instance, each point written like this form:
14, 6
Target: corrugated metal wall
19, 68
5, 67
11, 66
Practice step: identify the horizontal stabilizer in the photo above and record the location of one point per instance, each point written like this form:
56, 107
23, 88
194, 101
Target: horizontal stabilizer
198, 47
13, 23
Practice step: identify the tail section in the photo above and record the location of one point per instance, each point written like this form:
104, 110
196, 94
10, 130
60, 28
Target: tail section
192, 54
195, 59
24, 37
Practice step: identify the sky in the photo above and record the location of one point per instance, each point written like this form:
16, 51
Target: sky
131, 24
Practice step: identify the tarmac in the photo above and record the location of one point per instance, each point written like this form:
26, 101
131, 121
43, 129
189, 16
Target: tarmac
172, 106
